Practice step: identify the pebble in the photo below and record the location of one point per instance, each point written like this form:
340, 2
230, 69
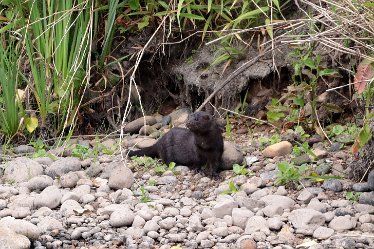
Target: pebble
104, 209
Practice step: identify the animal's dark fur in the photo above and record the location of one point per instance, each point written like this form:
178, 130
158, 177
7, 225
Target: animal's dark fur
200, 144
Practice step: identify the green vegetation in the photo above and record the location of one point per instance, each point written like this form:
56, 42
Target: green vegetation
241, 170
158, 166
352, 196
232, 189
144, 196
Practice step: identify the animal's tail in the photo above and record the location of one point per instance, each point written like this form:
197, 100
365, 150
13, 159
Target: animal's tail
148, 151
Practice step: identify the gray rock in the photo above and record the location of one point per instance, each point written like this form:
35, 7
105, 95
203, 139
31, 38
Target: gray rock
333, 185
371, 180
121, 178
63, 166
167, 180
49, 197
46, 161
70, 196
134, 126
38, 183
179, 116
275, 223
20, 212
341, 223
167, 223
278, 200
367, 228
77, 232
47, 224
231, 155
249, 188
21, 227
195, 223
3, 204
240, 217
220, 232
323, 233
206, 244
364, 208
24, 149
121, 218
256, 223
69, 180
305, 196
317, 205
151, 226
361, 187
224, 207
94, 169
134, 233
82, 190
147, 130
367, 198
67, 208
12, 240
323, 168
279, 149
273, 210
138, 222
87, 198
305, 220
21, 169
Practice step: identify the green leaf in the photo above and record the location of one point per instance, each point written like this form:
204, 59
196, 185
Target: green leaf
31, 124
269, 28
369, 4
365, 135
210, 5
163, 4
134, 4
309, 63
276, 3
192, 16
179, 9
327, 72
274, 116
144, 23
299, 101
251, 14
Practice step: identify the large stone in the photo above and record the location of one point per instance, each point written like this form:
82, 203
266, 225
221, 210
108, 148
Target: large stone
278, 200
63, 166
306, 220
121, 178
69, 180
323, 233
240, 217
279, 149
179, 117
121, 218
134, 126
48, 224
224, 207
50, 197
38, 183
231, 155
21, 227
12, 240
21, 169
255, 224
68, 207
341, 223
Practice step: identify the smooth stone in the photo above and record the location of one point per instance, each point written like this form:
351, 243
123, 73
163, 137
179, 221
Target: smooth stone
279, 149
63, 165
231, 155
323, 233
12, 240
305, 220
121, 178
121, 218
38, 183
21, 169
135, 125
50, 197
21, 227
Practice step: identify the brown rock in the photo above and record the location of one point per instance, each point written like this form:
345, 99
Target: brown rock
279, 149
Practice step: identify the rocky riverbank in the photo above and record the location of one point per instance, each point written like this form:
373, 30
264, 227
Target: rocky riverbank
102, 201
